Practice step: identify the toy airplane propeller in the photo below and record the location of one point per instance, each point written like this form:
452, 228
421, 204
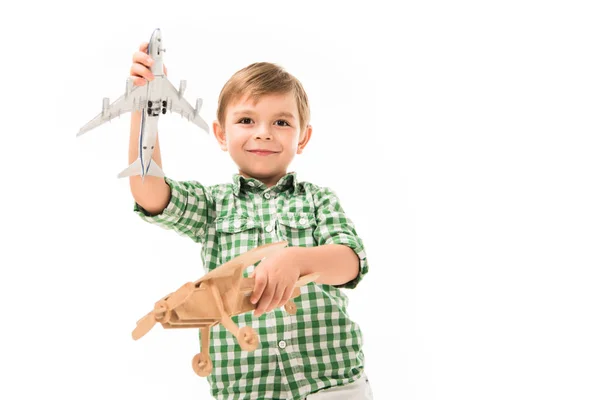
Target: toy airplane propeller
154, 98
214, 299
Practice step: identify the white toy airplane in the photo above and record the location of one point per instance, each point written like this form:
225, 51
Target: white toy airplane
154, 98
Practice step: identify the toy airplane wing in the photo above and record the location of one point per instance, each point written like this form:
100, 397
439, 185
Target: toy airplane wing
133, 99
177, 103
239, 263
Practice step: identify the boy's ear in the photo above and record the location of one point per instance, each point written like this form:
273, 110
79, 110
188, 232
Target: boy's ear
304, 138
220, 135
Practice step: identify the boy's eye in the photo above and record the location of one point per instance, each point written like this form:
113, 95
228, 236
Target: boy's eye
245, 121
281, 122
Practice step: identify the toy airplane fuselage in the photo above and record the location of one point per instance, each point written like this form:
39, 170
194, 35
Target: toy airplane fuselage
153, 99
201, 309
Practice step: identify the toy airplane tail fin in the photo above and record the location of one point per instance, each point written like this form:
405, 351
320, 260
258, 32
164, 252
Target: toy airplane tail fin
136, 169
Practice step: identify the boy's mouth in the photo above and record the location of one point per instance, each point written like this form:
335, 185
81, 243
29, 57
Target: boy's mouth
262, 152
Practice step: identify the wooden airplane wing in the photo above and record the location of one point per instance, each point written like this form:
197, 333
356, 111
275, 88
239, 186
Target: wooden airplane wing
239, 263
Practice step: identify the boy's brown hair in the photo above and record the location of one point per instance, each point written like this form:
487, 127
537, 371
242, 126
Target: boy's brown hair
259, 79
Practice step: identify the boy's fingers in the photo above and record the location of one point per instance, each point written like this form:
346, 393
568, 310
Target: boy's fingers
265, 300
137, 81
287, 294
142, 58
260, 282
277, 296
141, 71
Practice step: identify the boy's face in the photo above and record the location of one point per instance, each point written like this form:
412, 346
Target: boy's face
262, 138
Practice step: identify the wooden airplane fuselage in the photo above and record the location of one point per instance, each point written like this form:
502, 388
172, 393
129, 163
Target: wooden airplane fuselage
201, 309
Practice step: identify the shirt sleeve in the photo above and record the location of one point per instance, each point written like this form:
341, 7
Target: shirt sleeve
187, 212
334, 227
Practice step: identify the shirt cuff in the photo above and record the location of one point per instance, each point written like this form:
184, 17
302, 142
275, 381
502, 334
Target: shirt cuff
174, 209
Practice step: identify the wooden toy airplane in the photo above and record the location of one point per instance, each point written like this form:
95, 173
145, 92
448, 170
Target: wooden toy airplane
213, 299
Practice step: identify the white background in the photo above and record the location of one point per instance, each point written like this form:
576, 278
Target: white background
462, 138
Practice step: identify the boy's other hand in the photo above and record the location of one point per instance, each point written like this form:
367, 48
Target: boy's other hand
140, 69
274, 280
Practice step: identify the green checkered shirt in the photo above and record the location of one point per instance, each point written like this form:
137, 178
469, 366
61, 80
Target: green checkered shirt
319, 346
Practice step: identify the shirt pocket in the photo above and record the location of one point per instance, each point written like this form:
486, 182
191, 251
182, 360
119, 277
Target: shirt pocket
297, 228
235, 234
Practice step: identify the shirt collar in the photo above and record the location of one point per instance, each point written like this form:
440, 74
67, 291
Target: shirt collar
241, 184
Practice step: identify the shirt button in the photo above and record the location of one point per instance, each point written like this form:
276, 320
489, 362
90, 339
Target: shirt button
237, 224
267, 195
269, 228
281, 344
302, 221
251, 184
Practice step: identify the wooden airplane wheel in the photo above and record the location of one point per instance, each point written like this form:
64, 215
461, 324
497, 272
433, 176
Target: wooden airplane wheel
291, 307
247, 338
202, 365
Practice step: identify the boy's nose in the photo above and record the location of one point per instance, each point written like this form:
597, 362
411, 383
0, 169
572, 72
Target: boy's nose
263, 134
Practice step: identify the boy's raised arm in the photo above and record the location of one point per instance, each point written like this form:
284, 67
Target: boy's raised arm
183, 206
154, 194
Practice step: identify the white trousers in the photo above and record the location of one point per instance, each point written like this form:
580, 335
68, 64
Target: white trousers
357, 390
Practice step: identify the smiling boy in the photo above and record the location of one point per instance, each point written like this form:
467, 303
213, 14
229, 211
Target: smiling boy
263, 122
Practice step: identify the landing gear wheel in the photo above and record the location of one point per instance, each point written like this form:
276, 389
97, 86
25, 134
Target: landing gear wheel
202, 365
290, 307
247, 338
